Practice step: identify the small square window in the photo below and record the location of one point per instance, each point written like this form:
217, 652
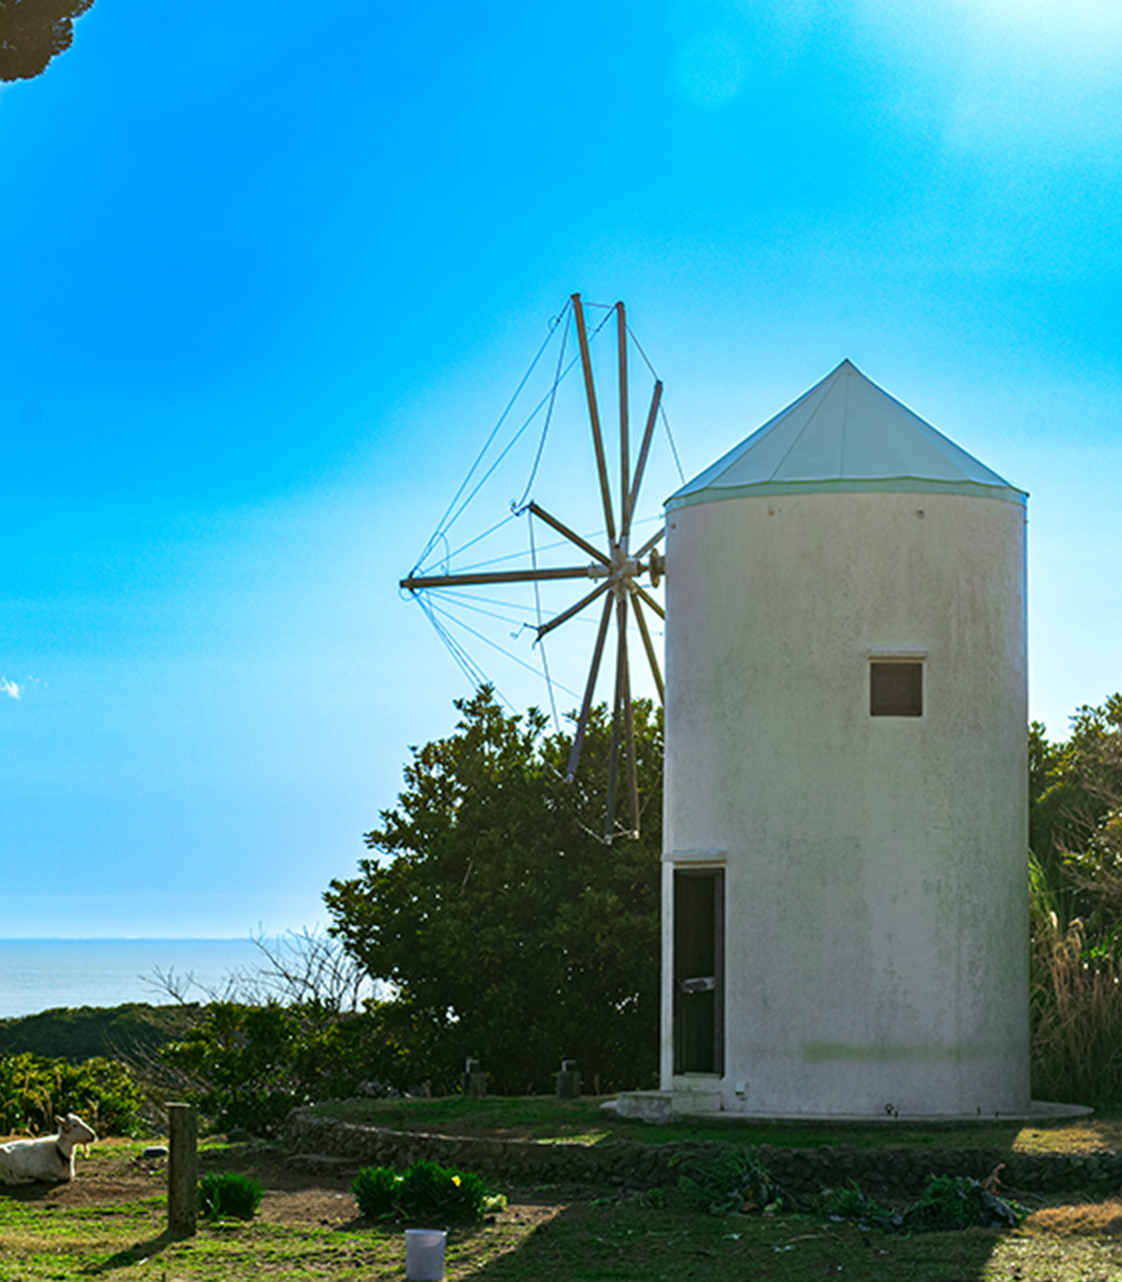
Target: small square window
896, 689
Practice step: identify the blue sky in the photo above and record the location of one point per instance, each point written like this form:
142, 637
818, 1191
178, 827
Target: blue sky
268, 285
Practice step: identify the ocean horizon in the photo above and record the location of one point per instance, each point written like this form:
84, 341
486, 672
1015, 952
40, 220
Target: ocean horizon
44, 974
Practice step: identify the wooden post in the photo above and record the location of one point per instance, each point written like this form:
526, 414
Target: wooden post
183, 1169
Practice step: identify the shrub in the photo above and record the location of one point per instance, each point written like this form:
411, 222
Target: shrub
426, 1189
376, 1189
33, 1090
250, 1066
431, 1189
226, 1193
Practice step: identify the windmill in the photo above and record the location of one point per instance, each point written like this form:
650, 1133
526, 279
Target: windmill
617, 571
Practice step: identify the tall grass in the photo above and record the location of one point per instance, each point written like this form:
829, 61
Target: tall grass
1076, 1008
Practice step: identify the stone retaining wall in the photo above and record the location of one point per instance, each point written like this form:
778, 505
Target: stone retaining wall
883, 1172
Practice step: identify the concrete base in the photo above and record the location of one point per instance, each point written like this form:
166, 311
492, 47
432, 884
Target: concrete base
662, 1107
659, 1107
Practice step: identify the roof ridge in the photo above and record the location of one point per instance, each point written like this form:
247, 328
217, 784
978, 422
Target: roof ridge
813, 413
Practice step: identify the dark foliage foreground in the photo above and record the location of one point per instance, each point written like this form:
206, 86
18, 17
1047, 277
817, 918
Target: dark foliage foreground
32, 32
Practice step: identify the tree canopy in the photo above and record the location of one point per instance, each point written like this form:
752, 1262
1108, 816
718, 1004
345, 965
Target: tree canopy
32, 32
1075, 820
504, 925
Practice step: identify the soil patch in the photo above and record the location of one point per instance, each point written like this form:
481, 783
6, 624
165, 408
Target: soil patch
299, 1191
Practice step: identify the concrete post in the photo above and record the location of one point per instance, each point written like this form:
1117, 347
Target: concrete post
183, 1169
473, 1081
568, 1080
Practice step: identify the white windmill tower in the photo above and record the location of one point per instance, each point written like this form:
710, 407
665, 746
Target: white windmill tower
845, 897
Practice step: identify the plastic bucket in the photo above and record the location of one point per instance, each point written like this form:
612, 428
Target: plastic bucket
424, 1254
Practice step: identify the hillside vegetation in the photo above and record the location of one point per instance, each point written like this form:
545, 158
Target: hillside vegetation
135, 1029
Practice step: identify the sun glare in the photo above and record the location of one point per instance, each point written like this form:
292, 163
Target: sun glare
1077, 36
1013, 74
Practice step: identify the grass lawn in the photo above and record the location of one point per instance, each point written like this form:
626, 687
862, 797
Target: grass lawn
573, 1241
542, 1117
110, 1223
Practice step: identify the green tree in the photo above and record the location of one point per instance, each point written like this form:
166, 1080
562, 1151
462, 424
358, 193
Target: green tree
505, 927
32, 32
1075, 793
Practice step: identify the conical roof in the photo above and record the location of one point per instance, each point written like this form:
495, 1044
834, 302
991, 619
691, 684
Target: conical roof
845, 434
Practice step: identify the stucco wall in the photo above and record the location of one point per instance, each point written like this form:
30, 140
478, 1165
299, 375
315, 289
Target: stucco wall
876, 900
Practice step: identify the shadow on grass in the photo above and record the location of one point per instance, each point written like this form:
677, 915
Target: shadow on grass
28, 1192
587, 1243
140, 1253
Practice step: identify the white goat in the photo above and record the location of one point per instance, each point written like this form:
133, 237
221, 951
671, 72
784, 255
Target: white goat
49, 1159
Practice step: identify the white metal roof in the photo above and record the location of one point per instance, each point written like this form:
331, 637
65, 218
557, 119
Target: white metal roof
846, 433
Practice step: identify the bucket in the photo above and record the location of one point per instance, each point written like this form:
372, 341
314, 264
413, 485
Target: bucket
424, 1254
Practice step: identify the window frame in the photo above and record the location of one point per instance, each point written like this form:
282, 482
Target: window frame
910, 704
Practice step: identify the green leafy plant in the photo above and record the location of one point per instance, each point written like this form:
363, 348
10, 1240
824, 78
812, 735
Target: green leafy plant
734, 1180
226, 1194
949, 1203
429, 1188
377, 1190
851, 1202
425, 1189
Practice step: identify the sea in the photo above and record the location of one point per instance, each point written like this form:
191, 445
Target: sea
42, 974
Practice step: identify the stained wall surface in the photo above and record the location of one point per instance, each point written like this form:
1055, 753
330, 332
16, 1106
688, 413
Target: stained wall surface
875, 916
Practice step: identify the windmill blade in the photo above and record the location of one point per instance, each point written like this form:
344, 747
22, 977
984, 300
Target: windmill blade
644, 450
572, 535
648, 599
658, 534
624, 445
415, 582
613, 751
565, 615
594, 416
586, 706
622, 705
644, 632
629, 730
